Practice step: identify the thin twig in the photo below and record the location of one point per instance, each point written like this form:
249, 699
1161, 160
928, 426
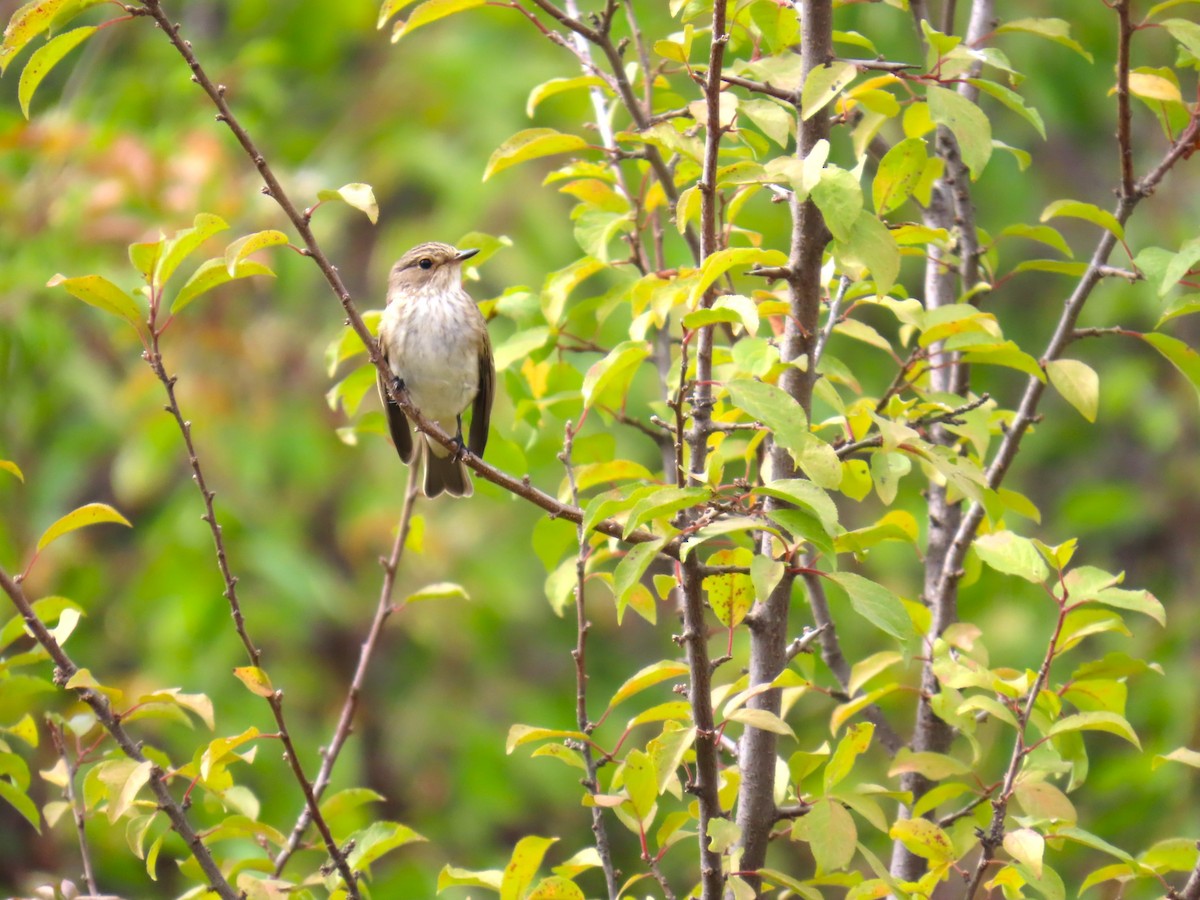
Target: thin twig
383, 611
274, 189
275, 698
78, 811
994, 836
65, 669
591, 782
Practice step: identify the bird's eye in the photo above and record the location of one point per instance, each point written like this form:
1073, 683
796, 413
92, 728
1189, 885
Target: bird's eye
426, 263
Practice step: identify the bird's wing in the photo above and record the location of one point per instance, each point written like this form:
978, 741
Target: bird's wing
397, 421
481, 411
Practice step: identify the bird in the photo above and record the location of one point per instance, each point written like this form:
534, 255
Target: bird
435, 344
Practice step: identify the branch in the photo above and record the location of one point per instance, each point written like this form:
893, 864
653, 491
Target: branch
58, 738
383, 611
950, 208
994, 836
768, 620
591, 782
275, 698
65, 669
1063, 335
520, 487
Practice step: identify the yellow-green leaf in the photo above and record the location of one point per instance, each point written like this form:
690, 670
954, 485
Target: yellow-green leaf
46, 58
966, 121
252, 243
1089, 212
7, 465
924, 839
443, 590
823, 84
360, 196
255, 679
91, 514
98, 291
1078, 383
26, 23
429, 11
213, 273
1096, 721
648, 677
1026, 846
1180, 355
558, 85
531, 144
523, 865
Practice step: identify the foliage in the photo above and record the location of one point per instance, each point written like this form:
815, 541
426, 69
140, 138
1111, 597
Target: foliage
786, 375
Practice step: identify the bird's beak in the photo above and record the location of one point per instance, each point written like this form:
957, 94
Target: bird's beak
465, 254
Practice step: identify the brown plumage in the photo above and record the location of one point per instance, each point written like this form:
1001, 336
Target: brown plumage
435, 342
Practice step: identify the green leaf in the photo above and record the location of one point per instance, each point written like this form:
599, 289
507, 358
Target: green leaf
1096, 721
853, 745
1078, 383
487, 879
806, 495
530, 144
830, 832
255, 679
213, 273
524, 734
776, 409
898, 174
1186, 32
20, 801
442, 590
558, 85
360, 196
730, 594
250, 243
27, 23
648, 677
1013, 555
1027, 847
839, 196
924, 839
181, 245
772, 119
1089, 212
871, 247
523, 865
632, 567
1179, 354
723, 527
663, 502
429, 11
98, 291
1182, 755
761, 719
45, 59
823, 84
560, 284
1043, 234
1179, 264
608, 379
90, 514
717, 264
968, 124
1013, 101
1057, 30
876, 604
377, 839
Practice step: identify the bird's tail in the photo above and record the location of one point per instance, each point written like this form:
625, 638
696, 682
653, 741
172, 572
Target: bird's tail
444, 473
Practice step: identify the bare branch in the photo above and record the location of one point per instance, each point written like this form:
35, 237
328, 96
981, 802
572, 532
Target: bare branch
591, 782
341, 732
65, 669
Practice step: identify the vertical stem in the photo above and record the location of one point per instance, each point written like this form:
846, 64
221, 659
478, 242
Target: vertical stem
768, 621
341, 731
591, 782
947, 273
1124, 112
58, 738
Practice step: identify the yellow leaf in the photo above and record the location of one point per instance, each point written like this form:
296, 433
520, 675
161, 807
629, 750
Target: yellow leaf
91, 514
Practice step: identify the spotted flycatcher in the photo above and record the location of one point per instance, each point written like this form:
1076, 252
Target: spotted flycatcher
435, 343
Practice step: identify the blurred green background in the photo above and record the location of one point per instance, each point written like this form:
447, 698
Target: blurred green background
121, 145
